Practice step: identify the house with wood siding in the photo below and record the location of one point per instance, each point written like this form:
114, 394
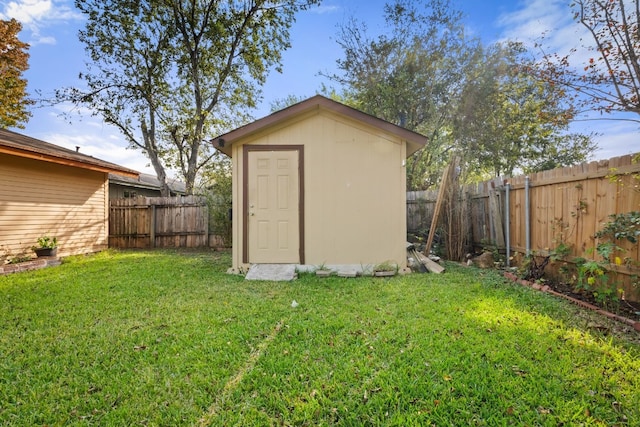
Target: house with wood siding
126, 187
47, 189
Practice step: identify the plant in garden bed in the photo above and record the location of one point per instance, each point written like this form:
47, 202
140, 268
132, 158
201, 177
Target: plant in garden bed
599, 277
20, 259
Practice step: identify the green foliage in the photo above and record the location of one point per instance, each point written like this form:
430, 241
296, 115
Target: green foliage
167, 338
386, 266
597, 276
216, 186
47, 242
561, 251
507, 119
624, 226
14, 61
172, 74
410, 76
483, 104
590, 274
19, 259
562, 232
288, 101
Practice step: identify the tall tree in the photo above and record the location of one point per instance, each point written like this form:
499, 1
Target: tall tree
14, 61
507, 119
609, 80
427, 75
410, 75
170, 73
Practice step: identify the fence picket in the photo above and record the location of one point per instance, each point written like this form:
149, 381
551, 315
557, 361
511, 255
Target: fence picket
567, 204
147, 222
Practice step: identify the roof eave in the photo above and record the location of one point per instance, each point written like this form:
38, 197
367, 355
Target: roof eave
223, 143
67, 162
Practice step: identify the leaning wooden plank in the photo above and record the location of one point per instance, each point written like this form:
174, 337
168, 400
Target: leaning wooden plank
432, 266
495, 210
436, 210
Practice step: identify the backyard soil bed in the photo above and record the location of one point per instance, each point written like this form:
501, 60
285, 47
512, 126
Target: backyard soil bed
624, 308
625, 313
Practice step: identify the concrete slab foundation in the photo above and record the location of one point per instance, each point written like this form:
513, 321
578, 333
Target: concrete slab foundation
273, 272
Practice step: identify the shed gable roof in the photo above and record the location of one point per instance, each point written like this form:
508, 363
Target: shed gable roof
24, 146
414, 140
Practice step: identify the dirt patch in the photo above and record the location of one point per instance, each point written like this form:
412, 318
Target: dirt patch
624, 323
628, 309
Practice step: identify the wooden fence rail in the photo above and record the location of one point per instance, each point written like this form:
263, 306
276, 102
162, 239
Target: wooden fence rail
159, 222
566, 205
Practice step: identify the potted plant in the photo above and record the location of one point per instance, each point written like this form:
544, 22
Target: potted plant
385, 269
47, 246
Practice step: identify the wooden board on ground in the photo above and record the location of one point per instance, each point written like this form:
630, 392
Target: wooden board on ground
431, 265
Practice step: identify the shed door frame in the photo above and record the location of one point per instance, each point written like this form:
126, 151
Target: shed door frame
246, 149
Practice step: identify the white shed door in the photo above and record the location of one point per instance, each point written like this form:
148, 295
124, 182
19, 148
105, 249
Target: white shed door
273, 209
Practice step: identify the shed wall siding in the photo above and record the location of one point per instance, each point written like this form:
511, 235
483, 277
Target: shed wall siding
39, 198
355, 190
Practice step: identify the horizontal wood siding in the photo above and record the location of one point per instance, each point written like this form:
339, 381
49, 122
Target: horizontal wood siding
160, 222
39, 198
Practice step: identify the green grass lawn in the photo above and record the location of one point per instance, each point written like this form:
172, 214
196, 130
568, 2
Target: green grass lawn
167, 338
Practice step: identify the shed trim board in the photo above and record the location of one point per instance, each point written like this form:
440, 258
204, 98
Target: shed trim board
414, 141
247, 149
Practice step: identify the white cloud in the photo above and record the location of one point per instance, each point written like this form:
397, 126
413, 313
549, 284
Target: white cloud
103, 146
551, 23
324, 9
35, 15
28, 11
43, 40
551, 18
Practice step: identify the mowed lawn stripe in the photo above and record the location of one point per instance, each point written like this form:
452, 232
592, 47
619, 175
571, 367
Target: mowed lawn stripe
230, 386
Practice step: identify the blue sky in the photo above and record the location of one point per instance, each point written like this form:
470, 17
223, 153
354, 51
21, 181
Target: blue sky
56, 59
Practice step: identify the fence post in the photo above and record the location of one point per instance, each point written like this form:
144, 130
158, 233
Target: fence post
527, 216
152, 227
507, 225
206, 225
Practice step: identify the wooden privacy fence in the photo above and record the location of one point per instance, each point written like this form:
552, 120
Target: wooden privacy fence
159, 222
566, 205
420, 207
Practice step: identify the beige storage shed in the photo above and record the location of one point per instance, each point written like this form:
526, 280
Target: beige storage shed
47, 189
319, 183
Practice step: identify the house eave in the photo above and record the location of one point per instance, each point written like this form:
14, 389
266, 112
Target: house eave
66, 162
